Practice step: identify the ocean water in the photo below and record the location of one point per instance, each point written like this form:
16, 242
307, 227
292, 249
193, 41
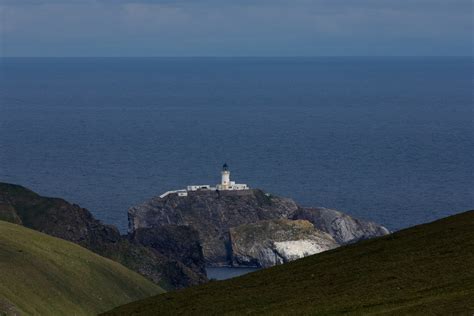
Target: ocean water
223, 273
384, 139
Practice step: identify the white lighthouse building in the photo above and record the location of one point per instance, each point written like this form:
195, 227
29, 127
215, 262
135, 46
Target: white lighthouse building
225, 185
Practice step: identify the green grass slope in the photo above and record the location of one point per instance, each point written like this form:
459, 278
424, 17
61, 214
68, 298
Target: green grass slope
44, 275
425, 270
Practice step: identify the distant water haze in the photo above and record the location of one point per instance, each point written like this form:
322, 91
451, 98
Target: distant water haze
384, 139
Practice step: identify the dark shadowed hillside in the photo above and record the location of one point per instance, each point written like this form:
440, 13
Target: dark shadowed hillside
426, 270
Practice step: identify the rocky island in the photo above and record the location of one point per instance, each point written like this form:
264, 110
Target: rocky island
249, 227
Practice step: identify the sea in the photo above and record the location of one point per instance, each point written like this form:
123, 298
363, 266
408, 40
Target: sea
386, 139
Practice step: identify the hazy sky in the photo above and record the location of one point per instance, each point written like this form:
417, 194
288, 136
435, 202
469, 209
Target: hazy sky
235, 28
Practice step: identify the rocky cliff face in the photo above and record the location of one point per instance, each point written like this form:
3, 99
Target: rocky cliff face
271, 242
227, 220
168, 240
211, 214
58, 218
344, 228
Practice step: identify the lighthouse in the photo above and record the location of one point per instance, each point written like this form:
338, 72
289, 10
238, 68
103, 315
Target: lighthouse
225, 176
225, 185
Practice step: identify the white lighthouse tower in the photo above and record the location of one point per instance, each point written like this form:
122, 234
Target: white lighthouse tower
225, 173
226, 184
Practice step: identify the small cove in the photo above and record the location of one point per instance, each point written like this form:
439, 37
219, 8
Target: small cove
223, 273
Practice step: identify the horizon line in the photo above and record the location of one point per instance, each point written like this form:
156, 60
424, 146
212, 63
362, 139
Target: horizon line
254, 56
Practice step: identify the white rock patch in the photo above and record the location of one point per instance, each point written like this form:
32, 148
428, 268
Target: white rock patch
295, 249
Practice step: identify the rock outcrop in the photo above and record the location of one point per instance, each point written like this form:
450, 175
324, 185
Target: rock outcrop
177, 243
8, 214
342, 227
211, 213
271, 242
218, 215
58, 218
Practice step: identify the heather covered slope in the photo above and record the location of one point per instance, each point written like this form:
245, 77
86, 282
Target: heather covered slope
427, 269
44, 275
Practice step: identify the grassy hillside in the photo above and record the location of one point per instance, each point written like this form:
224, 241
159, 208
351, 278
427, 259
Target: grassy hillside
43, 275
426, 270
